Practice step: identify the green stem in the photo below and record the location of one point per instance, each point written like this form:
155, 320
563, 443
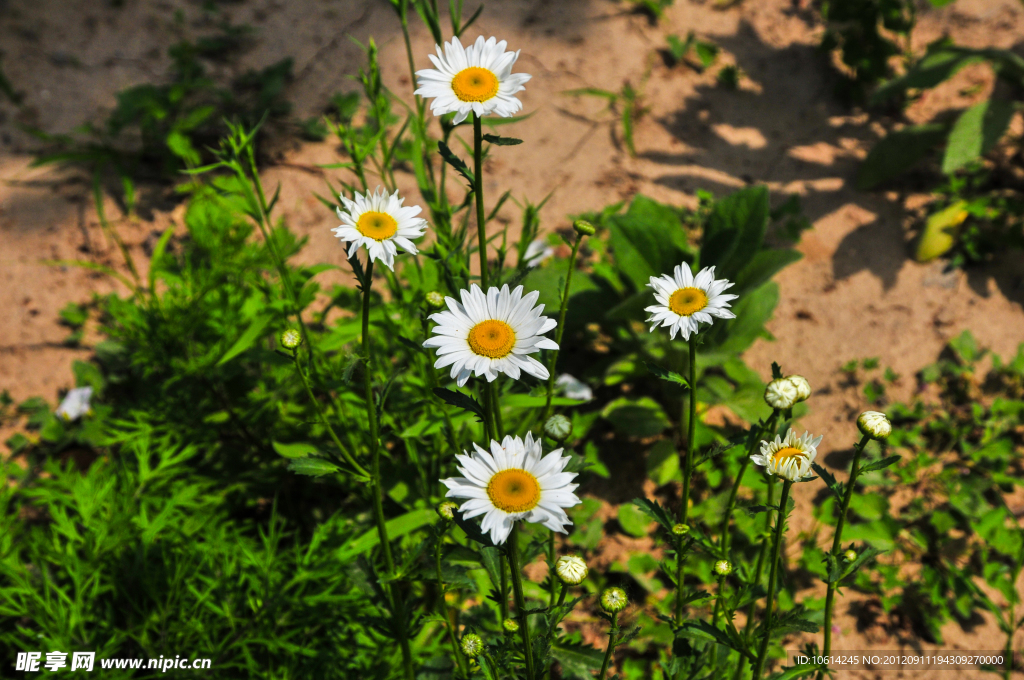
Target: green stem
499, 426
724, 535
323, 418
478, 189
687, 465
561, 326
780, 527
762, 553
611, 646
443, 610
679, 580
837, 540
552, 576
517, 588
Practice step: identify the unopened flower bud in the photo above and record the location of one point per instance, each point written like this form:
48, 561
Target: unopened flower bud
472, 645
781, 394
614, 600
447, 510
723, 568
510, 625
435, 299
583, 228
291, 339
681, 529
558, 427
571, 569
874, 425
850, 555
803, 388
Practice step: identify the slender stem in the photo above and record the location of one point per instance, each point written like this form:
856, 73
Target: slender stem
323, 418
691, 430
780, 528
443, 610
679, 580
517, 588
499, 426
478, 189
611, 645
724, 535
837, 540
552, 577
503, 604
561, 326
762, 553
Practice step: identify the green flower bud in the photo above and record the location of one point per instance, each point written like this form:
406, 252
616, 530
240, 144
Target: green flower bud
472, 645
291, 339
447, 510
850, 555
571, 569
558, 427
614, 600
435, 300
681, 529
723, 568
510, 625
584, 228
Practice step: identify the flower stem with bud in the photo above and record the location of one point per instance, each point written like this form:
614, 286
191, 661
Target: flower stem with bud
780, 528
512, 553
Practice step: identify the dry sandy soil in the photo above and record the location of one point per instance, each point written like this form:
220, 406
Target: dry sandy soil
854, 294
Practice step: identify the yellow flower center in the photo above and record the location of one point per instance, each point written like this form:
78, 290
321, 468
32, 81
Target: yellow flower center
492, 338
686, 301
514, 491
789, 452
475, 84
377, 225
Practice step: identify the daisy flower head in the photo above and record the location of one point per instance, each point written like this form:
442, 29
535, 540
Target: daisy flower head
490, 334
789, 458
685, 300
514, 481
379, 222
477, 78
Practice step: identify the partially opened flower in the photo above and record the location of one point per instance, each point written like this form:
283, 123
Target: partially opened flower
789, 458
874, 424
514, 481
491, 334
75, 404
685, 300
379, 222
477, 78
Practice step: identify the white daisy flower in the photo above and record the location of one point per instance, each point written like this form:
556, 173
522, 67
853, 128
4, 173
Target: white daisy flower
874, 424
477, 78
789, 458
491, 334
574, 388
75, 404
514, 481
684, 300
379, 222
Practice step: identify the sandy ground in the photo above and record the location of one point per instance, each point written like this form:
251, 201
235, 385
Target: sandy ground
855, 294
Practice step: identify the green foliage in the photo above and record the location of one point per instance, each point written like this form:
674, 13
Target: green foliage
705, 51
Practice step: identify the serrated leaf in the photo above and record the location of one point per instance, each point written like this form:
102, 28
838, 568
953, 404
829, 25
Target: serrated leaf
879, 464
830, 481
294, 450
460, 400
670, 376
656, 511
577, 661
314, 467
798, 671
502, 141
460, 165
702, 630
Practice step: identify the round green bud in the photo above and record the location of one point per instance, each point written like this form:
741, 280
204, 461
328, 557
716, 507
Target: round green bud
558, 427
447, 510
510, 625
472, 645
584, 228
571, 569
874, 425
435, 300
291, 339
723, 568
614, 600
681, 529
850, 555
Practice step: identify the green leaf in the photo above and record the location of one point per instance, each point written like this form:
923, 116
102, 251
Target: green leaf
535, 401
460, 400
633, 520
314, 467
702, 630
830, 481
940, 231
735, 231
839, 571
247, 340
502, 141
656, 511
636, 418
798, 671
937, 65
879, 464
762, 267
663, 463
647, 240
670, 376
975, 132
396, 528
296, 450
897, 152
578, 661
449, 156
